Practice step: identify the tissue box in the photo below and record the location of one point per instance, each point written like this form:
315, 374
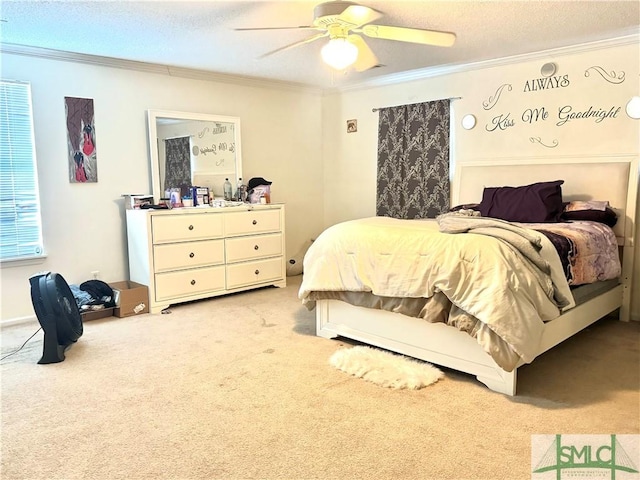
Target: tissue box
134, 202
131, 298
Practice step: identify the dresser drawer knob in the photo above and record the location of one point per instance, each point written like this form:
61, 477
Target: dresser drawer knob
257, 272
193, 282
190, 227
191, 255
256, 247
255, 222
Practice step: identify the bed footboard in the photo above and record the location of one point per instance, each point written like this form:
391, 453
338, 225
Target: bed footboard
446, 346
432, 342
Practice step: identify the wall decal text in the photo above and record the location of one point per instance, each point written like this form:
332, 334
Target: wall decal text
566, 113
221, 147
610, 77
501, 122
531, 115
491, 102
539, 140
546, 83
555, 115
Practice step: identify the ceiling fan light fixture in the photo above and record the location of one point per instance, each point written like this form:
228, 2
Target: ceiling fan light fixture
339, 53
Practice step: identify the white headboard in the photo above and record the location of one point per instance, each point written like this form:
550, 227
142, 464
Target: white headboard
603, 178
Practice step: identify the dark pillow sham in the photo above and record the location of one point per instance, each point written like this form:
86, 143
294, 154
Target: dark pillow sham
606, 216
535, 203
466, 206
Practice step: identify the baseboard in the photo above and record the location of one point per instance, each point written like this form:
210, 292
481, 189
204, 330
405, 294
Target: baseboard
19, 321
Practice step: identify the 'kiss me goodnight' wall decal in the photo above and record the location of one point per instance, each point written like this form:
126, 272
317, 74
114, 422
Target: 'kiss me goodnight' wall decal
561, 115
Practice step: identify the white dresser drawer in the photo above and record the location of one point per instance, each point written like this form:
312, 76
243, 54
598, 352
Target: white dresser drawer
188, 254
184, 283
256, 246
254, 221
182, 228
249, 273
176, 256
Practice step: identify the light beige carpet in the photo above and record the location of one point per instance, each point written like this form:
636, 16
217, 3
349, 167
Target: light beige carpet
239, 387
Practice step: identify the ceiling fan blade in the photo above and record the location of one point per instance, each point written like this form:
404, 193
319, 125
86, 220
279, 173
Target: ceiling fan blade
366, 58
413, 35
296, 44
359, 15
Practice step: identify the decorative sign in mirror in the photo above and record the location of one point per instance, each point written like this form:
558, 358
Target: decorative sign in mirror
193, 150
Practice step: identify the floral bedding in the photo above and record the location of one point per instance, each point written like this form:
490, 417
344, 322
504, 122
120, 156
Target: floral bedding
588, 250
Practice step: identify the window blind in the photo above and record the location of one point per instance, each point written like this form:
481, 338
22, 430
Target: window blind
20, 218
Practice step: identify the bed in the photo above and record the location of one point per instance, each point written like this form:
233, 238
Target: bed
341, 310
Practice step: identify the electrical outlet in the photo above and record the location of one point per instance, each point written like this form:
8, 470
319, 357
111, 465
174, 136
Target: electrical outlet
95, 274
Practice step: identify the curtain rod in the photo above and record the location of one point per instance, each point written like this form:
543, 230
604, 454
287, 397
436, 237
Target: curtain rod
450, 98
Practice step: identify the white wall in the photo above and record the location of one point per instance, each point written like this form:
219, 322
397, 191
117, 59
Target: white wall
350, 158
295, 138
83, 224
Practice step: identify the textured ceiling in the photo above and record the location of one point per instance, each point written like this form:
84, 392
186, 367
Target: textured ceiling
200, 34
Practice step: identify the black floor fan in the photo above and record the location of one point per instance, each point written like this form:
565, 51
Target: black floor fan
58, 314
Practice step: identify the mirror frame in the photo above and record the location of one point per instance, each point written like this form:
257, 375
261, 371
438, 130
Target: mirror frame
154, 157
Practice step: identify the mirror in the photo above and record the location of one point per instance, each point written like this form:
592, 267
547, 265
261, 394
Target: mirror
193, 149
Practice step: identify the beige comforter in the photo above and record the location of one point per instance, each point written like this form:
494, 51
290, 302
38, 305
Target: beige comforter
484, 277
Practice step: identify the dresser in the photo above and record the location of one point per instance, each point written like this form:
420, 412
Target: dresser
188, 254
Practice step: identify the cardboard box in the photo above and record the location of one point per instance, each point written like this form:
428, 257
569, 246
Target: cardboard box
96, 314
131, 298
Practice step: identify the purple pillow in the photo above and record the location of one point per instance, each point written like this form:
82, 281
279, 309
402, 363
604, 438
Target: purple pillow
535, 203
607, 216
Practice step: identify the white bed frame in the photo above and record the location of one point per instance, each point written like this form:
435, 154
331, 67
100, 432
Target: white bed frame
611, 178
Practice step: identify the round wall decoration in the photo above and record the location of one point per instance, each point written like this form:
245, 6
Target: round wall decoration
633, 107
468, 122
548, 69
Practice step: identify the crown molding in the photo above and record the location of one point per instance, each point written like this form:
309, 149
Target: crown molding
156, 68
627, 37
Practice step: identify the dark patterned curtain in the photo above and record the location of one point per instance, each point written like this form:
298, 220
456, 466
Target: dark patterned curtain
178, 165
413, 160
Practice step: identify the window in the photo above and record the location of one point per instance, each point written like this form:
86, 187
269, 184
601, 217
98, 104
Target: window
20, 220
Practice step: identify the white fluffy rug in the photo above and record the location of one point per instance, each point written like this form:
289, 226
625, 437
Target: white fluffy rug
384, 368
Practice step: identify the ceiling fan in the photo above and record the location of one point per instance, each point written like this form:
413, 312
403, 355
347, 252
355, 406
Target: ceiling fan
342, 22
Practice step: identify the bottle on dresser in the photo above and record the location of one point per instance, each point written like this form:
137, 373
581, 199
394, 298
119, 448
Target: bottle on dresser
228, 195
241, 191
